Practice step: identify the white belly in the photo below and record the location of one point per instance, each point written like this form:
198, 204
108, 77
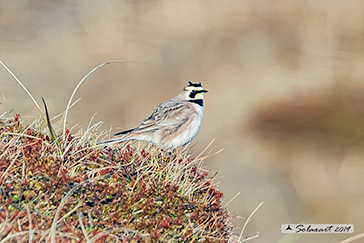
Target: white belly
186, 136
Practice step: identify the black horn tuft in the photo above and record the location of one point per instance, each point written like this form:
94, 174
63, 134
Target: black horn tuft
194, 84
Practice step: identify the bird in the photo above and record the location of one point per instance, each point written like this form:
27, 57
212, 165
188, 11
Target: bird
173, 123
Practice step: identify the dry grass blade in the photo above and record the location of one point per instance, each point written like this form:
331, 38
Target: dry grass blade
25, 89
10, 166
251, 237
30, 224
83, 227
79, 84
351, 239
99, 235
51, 130
232, 199
58, 212
62, 113
9, 237
247, 221
203, 151
22, 135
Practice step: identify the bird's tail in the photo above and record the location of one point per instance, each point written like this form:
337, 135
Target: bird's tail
124, 132
126, 136
115, 140
110, 141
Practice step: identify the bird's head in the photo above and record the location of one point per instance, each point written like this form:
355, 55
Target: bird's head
193, 92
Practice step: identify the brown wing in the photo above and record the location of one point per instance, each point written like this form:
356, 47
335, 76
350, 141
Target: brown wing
171, 114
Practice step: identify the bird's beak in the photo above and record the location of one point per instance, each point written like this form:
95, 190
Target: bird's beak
204, 91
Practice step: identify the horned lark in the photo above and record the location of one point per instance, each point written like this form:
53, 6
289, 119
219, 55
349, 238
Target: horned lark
173, 123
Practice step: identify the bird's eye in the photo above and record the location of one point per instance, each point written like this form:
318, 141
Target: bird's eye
193, 94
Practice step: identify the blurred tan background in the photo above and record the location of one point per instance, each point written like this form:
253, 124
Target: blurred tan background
285, 81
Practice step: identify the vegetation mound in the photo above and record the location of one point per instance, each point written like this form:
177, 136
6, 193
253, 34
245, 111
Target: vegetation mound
72, 190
